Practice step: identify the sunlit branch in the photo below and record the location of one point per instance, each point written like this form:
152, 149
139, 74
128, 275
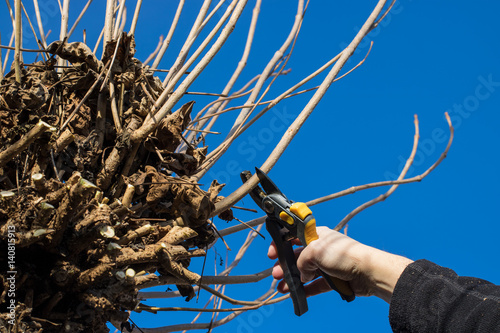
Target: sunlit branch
84, 10
299, 121
409, 162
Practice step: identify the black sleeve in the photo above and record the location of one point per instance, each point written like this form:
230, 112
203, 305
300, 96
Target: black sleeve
431, 298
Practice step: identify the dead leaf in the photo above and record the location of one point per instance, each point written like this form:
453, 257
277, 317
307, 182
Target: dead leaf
76, 53
214, 190
169, 131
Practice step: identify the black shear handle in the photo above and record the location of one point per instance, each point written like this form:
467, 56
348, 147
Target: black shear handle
288, 263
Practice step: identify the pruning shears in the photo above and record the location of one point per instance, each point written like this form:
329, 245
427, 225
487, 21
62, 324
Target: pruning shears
287, 220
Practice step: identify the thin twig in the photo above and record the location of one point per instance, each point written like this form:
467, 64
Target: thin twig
409, 162
250, 227
167, 40
218, 234
147, 127
204, 94
63, 35
1, 68
54, 165
98, 41
108, 25
246, 209
12, 15
155, 309
201, 131
29, 22
12, 37
384, 196
190, 39
119, 19
108, 73
299, 121
136, 17
153, 54
181, 66
17, 53
40, 23
79, 18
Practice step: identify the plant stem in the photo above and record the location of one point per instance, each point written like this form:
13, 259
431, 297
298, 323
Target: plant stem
40, 24
79, 18
23, 143
18, 34
136, 17
167, 40
302, 117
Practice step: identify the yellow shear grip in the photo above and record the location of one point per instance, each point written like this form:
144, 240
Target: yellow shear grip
287, 218
302, 211
310, 233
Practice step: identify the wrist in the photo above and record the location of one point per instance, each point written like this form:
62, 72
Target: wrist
383, 270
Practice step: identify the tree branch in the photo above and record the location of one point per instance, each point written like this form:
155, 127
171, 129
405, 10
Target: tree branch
299, 121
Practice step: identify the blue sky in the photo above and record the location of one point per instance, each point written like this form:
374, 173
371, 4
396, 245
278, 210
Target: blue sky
428, 57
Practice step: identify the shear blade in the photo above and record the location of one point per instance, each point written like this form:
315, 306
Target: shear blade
257, 194
267, 184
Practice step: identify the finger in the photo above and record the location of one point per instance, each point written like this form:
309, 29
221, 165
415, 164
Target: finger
278, 270
283, 287
306, 263
278, 273
272, 252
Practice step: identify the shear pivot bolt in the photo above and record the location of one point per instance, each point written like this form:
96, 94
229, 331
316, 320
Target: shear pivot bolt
268, 206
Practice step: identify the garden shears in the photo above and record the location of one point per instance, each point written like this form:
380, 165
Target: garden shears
287, 220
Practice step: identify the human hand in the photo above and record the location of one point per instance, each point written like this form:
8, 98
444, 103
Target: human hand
368, 271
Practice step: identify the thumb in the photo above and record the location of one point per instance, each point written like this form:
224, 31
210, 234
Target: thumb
307, 264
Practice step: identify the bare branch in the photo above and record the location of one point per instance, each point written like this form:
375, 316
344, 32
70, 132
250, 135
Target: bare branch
384, 196
241, 65
136, 17
79, 18
12, 36
147, 127
207, 280
40, 23
1, 68
23, 143
64, 27
17, 53
220, 322
299, 121
119, 19
108, 24
155, 309
193, 34
155, 52
167, 40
